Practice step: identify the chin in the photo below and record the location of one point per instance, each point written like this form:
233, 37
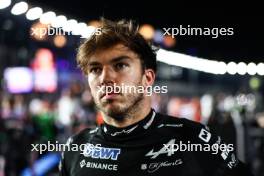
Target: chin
115, 111
110, 109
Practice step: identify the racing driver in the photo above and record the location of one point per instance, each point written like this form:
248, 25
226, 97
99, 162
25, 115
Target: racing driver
134, 140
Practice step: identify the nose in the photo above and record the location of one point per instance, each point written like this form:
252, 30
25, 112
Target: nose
108, 76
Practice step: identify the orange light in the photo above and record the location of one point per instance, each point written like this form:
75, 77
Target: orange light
169, 41
147, 31
59, 41
94, 23
38, 31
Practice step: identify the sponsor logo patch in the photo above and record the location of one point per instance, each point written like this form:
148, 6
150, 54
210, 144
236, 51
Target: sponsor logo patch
98, 152
205, 135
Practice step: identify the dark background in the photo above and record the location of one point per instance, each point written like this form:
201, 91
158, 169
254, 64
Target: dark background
245, 17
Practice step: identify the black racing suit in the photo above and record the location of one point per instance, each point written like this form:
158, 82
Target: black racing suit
151, 147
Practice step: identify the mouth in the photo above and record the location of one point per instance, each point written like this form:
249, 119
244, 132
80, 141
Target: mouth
108, 95
109, 92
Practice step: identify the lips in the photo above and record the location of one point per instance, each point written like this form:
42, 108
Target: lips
108, 92
108, 95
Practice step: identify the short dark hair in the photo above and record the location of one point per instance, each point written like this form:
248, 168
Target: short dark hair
115, 32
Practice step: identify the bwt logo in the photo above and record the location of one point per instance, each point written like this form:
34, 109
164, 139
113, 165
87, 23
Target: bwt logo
98, 152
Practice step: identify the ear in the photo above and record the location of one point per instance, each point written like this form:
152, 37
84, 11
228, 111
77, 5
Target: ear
148, 77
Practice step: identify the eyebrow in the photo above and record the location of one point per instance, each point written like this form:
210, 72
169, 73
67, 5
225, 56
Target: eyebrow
113, 60
119, 58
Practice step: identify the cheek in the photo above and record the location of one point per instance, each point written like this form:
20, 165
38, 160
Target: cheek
93, 85
133, 76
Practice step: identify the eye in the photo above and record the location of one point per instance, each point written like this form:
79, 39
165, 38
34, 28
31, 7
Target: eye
120, 66
95, 70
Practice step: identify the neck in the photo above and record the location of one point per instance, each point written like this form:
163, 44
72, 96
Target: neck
135, 115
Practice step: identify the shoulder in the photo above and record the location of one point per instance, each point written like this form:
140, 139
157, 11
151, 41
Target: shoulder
207, 146
75, 142
186, 128
82, 136
181, 123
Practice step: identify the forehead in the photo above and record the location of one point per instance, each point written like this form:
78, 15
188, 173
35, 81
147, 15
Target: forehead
118, 50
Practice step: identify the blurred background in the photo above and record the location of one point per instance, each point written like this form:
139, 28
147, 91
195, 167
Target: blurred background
44, 97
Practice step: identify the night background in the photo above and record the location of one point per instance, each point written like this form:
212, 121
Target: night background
59, 104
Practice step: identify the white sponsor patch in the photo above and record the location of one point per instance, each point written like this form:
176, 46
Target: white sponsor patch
82, 163
205, 135
233, 162
224, 154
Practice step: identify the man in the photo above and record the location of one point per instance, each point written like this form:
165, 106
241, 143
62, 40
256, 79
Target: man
135, 140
